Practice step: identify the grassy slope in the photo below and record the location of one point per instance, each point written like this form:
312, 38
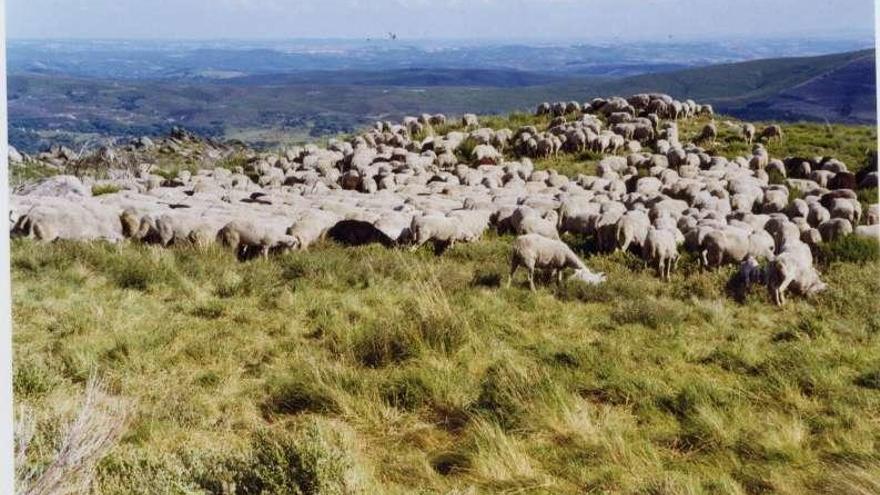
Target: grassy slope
389, 371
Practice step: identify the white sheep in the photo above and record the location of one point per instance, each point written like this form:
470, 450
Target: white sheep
244, 236
793, 268
661, 249
533, 252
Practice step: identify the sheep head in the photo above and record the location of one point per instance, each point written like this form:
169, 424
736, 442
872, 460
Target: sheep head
588, 277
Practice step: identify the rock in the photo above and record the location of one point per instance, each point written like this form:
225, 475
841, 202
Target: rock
58, 186
14, 156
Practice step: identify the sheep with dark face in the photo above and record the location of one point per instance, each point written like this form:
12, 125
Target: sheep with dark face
534, 252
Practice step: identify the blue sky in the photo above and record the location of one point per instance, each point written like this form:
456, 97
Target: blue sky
493, 19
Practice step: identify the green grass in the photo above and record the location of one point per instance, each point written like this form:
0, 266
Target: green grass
99, 189
370, 370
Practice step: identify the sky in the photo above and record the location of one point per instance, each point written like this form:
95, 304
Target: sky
438, 19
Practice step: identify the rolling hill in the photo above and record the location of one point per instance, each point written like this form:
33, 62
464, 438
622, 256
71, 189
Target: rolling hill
838, 88
265, 109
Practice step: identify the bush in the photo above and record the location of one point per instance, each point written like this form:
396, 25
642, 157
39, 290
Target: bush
851, 249
309, 462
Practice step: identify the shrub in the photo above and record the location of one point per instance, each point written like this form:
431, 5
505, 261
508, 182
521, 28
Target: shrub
851, 248
85, 441
308, 462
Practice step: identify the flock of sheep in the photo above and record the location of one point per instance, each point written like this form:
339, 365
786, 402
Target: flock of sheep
653, 193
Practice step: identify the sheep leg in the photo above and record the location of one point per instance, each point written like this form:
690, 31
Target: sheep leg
264, 251
532, 279
514, 265
417, 244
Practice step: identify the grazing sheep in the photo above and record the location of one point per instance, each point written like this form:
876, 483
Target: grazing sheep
661, 248
793, 268
772, 132
708, 133
734, 245
533, 252
470, 120
244, 236
835, 229
442, 231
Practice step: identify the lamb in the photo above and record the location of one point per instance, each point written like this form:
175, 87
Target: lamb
244, 236
793, 268
533, 251
661, 249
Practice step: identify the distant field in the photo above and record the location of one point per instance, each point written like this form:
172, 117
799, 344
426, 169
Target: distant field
374, 370
51, 108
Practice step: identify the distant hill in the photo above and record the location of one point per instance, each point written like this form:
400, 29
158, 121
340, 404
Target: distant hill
838, 88
266, 109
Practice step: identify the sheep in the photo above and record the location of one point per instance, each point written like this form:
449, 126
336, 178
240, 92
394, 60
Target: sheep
533, 252
835, 229
708, 133
532, 223
872, 217
245, 235
793, 267
632, 228
735, 245
748, 133
661, 248
470, 120
772, 132
442, 231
